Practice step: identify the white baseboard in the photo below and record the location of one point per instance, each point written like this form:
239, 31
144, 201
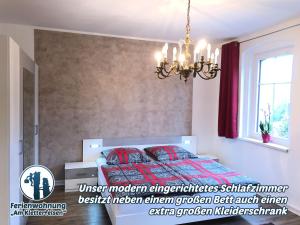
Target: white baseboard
59, 182
294, 209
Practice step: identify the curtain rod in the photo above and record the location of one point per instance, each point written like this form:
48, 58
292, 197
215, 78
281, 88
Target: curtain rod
273, 32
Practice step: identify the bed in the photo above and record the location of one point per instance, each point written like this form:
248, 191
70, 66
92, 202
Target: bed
136, 214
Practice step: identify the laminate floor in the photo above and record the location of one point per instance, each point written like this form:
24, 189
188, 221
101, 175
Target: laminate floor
94, 214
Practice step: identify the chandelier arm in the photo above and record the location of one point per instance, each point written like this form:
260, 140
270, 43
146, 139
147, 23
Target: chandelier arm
208, 74
194, 73
160, 73
176, 69
199, 68
214, 74
209, 68
204, 76
168, 71
214, 71
195, 69
163, 72
159, 76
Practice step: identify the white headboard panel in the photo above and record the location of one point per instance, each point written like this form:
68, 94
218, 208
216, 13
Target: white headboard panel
93, 147
189, 143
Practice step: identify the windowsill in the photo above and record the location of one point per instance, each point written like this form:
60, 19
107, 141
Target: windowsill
267, 145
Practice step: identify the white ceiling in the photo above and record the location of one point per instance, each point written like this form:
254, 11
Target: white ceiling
154, 19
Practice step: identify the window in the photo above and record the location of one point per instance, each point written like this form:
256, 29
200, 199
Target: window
266, 87
275, 74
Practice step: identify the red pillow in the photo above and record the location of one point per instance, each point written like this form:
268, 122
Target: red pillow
126, 155
168, 153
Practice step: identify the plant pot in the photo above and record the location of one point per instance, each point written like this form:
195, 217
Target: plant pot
266, 138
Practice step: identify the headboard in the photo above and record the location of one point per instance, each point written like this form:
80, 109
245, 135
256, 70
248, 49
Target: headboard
93, 147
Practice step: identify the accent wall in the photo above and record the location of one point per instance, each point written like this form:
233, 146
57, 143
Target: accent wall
103, 87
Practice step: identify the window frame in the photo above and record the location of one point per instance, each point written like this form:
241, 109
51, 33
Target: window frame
249, 94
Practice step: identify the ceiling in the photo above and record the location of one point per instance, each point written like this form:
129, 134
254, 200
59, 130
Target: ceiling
153, 19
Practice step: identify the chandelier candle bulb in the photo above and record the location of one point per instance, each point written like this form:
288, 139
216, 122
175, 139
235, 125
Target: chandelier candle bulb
200, 52
158, 57
201, 45
180, 43
181, 59
165, 51
195, 55
212, 58
208, 51
217, 53
174, 53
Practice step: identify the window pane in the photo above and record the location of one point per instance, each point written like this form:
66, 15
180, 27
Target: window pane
280, 116
274, 93
276, 69
266, 96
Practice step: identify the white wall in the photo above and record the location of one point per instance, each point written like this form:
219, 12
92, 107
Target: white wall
16, 159
10, 145
23, 35
268, 166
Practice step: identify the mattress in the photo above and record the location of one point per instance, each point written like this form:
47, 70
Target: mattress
184, 172
127, 209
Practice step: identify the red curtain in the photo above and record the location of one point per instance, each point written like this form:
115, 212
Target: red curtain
229, 91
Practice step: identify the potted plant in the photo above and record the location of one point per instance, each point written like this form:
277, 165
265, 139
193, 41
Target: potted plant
265, 126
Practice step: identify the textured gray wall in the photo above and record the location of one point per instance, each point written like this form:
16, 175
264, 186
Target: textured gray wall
97, 87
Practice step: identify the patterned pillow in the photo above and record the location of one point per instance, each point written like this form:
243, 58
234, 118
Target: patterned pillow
169, 153
124, 156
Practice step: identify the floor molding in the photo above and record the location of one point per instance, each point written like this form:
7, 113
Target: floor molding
290, 207
294, 209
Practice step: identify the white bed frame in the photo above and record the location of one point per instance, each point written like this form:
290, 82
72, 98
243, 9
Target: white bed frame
138, 214
93, 147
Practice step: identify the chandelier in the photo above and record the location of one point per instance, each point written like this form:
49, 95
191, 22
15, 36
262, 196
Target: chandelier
182, 64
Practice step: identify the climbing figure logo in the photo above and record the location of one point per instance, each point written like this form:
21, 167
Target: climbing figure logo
37, 182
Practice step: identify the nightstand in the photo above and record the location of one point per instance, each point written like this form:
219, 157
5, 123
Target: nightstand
77, 173
212, 157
